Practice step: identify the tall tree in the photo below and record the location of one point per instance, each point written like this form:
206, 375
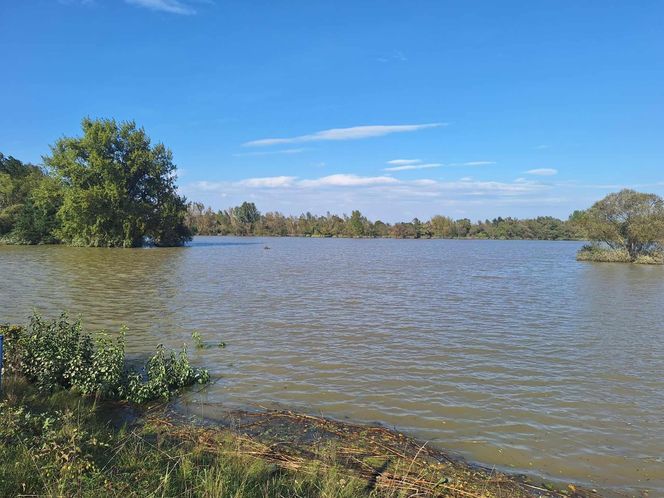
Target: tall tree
627, 220
119, 189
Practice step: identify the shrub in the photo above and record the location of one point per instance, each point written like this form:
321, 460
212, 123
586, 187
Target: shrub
599, 254
59, 354
594, 252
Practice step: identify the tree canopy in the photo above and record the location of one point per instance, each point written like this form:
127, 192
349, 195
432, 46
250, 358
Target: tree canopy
110, 187
626, 220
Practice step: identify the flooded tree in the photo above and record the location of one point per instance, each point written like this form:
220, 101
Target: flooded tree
627, 222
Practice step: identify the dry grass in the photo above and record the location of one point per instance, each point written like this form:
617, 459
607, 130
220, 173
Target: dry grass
390, 463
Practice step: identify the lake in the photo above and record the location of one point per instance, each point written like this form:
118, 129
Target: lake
509, 353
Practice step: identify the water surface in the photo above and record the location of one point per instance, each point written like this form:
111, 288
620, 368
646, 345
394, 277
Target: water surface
510, 353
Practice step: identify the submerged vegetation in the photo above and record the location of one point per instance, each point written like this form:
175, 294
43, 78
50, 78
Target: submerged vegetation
71, 426
624, 227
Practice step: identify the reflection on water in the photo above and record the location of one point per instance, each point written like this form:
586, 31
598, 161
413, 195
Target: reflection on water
510, 353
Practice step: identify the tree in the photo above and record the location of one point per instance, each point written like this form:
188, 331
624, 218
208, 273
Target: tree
626, 220
246, 215
29, 200
356, 224
119, 190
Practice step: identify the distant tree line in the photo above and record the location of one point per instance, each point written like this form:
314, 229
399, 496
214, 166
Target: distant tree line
246, 219
109, 188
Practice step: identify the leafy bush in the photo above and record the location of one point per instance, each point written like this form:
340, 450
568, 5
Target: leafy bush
59, 354
600, 254
594, 252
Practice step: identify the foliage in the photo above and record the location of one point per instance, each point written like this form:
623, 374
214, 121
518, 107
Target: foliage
236, 221
118, 188
58, 354
599, 254
626, 221
29, 201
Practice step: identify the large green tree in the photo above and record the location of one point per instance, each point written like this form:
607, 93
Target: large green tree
119, 189
626, 220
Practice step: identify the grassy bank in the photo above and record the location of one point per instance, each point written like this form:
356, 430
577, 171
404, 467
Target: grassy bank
76, 420
599, 254
67, 445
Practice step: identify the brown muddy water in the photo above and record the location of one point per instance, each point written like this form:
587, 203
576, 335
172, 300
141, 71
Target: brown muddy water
509, 353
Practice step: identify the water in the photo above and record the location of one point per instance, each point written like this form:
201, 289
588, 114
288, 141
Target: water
509, 353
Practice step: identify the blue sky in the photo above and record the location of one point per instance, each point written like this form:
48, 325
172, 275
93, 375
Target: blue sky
398, 108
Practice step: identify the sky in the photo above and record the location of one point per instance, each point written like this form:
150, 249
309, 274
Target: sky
400, 109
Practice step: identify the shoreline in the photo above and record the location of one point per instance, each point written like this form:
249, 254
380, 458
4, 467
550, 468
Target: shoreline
81, 443
288, 436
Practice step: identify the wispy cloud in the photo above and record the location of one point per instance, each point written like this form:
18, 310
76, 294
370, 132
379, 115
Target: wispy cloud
410, 167
403, 162
542, 172
414, 164
353, 133
342, 180
269, 182
474, 163
270, 152
542, 147
170, 6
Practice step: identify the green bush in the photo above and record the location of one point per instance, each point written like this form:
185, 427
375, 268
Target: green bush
599, 254
58, 354
596, 253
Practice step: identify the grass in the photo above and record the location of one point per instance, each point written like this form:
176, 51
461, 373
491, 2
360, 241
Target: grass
62, 444
65, 445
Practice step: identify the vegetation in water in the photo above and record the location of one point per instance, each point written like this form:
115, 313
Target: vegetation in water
109, 188
626, 226
58, 354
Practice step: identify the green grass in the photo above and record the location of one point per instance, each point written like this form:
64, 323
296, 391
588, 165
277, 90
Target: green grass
65, 445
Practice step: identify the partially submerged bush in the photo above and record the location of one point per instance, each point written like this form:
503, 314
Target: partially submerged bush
600, 254
59, 354
594, 252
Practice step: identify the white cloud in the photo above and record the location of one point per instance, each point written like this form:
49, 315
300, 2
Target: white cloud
403, 162
410, 167
269, 182
170, 6
542, 172
476, 163
341, 180
353, 133
414, 164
